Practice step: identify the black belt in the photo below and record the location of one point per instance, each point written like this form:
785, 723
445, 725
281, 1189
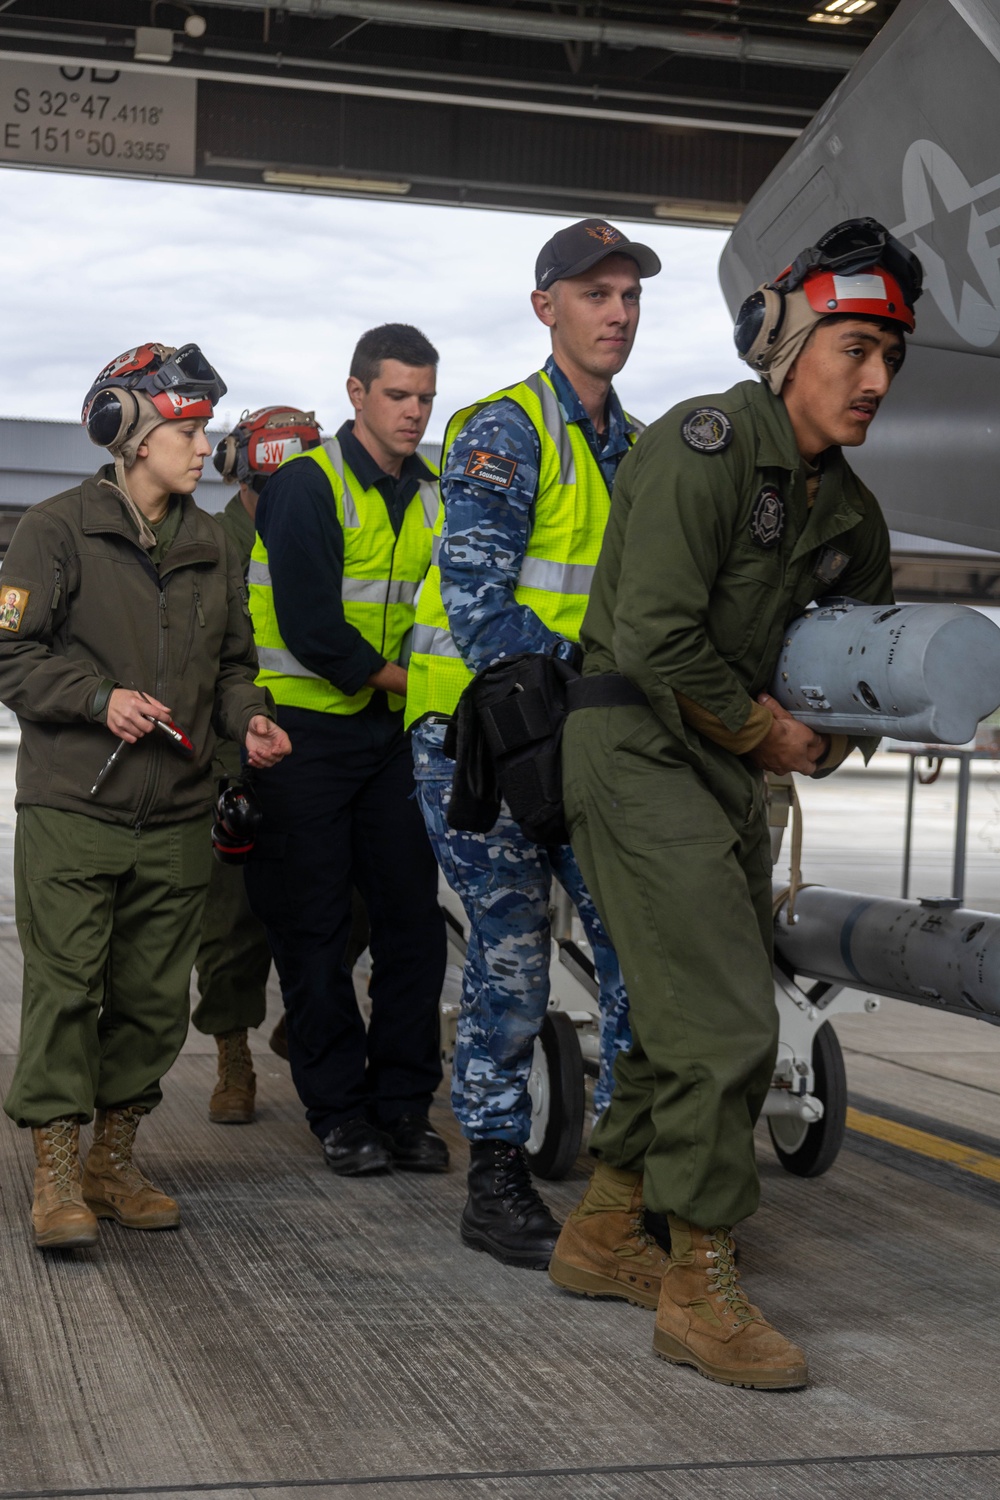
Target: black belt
610, 690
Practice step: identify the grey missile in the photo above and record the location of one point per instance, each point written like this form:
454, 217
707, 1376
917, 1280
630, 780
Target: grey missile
930, 952
924, 672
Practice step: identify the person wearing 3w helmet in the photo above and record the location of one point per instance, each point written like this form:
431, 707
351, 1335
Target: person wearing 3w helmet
731, 514
129, 651
234, 959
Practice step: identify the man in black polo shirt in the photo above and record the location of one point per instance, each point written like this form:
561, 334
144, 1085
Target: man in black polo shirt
344, 543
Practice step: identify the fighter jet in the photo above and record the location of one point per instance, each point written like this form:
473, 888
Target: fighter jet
912, 138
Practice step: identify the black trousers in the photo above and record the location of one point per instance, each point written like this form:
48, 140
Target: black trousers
340, 811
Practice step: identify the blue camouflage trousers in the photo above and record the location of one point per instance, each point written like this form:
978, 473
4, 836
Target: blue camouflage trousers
503, 881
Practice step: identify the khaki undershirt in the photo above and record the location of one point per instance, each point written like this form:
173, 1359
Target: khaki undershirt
165, 531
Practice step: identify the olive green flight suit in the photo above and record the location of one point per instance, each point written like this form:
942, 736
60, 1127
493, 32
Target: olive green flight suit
109, 889
108, 919
233, 959
707, 557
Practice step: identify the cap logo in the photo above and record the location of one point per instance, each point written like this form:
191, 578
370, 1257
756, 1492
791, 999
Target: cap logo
605, 234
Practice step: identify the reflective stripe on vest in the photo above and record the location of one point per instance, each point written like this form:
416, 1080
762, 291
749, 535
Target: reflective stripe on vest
280, 659
571, 512
431, 640
381, 581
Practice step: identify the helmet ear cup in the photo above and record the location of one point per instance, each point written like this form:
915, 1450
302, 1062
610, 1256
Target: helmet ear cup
758, 324
224, 458
111, 416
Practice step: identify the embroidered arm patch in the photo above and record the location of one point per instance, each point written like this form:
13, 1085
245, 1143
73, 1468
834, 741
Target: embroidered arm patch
707, 430
491, 467
13, 603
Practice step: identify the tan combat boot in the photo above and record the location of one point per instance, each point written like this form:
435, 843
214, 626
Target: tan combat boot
705, 1318
233, 1097
603, 1249
113, 1186
59, 1216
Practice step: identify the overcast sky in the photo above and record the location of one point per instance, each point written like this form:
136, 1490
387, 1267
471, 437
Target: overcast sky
277, 288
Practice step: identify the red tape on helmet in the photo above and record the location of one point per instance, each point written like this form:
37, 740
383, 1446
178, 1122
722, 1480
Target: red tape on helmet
869, 294
263, 439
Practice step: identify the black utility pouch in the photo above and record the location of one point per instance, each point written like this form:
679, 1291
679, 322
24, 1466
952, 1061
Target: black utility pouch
507, 744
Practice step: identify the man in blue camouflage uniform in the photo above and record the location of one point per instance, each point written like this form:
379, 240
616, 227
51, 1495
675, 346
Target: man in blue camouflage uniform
482, 549
490, 513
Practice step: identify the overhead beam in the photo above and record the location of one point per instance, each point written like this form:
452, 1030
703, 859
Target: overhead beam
281, 80
532, 25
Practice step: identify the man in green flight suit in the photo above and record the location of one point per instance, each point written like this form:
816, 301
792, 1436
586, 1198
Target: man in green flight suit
234, 959
729, 516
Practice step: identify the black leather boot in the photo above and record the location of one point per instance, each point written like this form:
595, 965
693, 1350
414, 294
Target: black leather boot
503, 1214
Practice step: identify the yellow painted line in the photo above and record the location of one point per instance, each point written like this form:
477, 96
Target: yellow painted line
925, 1144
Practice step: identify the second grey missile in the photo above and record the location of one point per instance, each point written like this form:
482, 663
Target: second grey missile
931, 952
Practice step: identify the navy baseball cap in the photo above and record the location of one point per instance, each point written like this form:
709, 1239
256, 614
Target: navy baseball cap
580, 246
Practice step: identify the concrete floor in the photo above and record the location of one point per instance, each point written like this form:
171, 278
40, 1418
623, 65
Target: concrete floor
307, 1334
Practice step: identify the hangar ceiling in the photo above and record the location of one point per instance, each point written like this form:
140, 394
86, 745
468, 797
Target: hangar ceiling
650, 110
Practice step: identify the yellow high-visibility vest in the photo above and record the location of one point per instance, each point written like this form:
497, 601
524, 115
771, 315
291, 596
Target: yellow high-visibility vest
382, 574
571, 513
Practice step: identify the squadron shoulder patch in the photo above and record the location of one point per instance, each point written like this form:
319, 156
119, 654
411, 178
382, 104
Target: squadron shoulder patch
767, 521
491, 467
707, 430
13, 603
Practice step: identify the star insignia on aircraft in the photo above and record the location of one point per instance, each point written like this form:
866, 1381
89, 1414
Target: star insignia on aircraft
961, 264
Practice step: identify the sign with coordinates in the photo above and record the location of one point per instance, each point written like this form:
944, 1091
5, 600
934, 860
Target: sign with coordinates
98, 118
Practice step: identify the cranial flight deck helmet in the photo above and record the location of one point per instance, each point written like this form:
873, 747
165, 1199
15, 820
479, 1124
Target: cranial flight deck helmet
857, 267
144, 387
263, 439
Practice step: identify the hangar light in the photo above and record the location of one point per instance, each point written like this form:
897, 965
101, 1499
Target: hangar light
336, 184
692, 211
839, 12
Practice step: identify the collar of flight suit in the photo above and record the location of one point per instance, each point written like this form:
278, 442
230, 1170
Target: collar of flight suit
776, 446
102, 511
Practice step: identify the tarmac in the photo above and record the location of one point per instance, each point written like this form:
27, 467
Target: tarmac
303, 1334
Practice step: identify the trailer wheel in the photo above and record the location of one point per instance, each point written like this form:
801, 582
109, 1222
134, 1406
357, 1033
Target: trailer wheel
809, 1150
557, 1102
